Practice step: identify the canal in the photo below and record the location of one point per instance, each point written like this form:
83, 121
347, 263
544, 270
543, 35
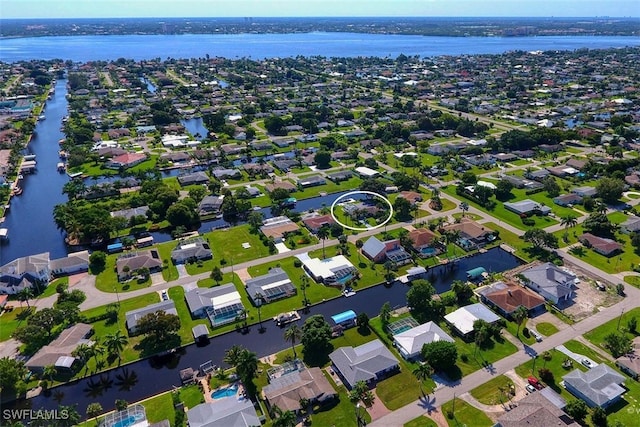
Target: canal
147, 377
30, 218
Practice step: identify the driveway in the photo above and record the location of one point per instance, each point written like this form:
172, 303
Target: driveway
575, 356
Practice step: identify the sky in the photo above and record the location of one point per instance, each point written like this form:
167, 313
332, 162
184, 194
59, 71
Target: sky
286, 8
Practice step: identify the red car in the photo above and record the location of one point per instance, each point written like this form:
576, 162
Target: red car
534, 382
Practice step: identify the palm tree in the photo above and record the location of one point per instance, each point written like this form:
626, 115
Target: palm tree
481, 335
600, 208
82, 352
464, 207
49, 372
115, 343
519, 315
568, 221
24, 295
359, 245
283, 418
259, 300
323, 234
452, 236
292, 335
232, 355
422, 372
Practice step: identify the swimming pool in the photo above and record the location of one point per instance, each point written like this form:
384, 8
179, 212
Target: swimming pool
129, 421
225, 392
344, 279
427, 251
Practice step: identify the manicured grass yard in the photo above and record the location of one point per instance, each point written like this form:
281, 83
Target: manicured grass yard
339, 413
546, 328
107, 280
597, 335
489, 393
464, 414
186, 322
329, 187
422, 421
10, 320
527, 338
227, 244
490, 354
633, 280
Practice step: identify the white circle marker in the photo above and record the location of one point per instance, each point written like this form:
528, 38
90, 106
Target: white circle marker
362, 228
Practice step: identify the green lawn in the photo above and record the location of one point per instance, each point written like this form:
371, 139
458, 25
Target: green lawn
51, 287
495, 351
186, 322
226, 245
10, 320
527, 338
509, 217
107, 280
337, 413
422, 421
597, 335
169, 270
579, 348
489, 393
464, 414
633, 280
546, 328
447, 205
328, 188
511, 239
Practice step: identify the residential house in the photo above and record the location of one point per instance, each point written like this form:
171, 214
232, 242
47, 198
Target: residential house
311, 181
507, 297
130, 213
391, 250
125, 161
316, 221
424, 242
411, 196
631, 225
567, 199
195, 249
584, 191
603, 246
527, 207
366, 172
224, 413
278, 227
562, 171
195, 178
272, 286
287, 390
504, 157
463, 318
630, 362
210, 205
59, 351
599, 386
133, 317
332, 271
129, 264
472, 234
221, 304
537, 175
280, 184
340, 176
409, 343
368, 362
75, 262
541, 409
24, 272
550, 281
222, 173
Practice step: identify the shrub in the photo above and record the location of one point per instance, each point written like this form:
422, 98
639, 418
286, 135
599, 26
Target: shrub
464, 357
297, 263
529, 222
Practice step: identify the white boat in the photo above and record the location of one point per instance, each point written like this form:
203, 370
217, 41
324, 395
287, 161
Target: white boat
29, 156
61, 167
4, 233
42, 117
284, 318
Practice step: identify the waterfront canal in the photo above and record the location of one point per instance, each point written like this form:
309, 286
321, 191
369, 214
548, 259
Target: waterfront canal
30, 221
147, 377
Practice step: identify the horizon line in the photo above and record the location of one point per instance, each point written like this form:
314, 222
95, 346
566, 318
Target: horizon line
332, 17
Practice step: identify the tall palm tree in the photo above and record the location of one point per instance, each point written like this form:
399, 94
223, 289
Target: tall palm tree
323, 234
464, 207
520, 315
24, 295
259, 301
232, 355
82, 352
283, 418
49, 372
293, 334
422, 372
600, 208
568, 221
115, 343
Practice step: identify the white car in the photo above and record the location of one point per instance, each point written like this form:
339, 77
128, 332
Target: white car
530, 388
587, 363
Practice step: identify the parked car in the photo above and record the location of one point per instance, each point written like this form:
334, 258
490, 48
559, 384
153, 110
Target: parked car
530, 388
536, 335
587, 363
164, 295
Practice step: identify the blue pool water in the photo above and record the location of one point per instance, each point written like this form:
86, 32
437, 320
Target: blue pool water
129, 421
225, 392
344, 279
427, 251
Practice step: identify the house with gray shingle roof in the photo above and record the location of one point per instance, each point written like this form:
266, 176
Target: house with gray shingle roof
134, 316
631, 225
194, 178
547, 279
599, 386
369, 362
127, 265
192, 249
409, 343
229, 412
272, 286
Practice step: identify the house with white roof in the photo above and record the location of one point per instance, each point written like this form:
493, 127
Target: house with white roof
330, 271
409, 343
463, 318
221, 304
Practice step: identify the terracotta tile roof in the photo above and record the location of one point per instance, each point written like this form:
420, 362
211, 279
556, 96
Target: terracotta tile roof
513, 296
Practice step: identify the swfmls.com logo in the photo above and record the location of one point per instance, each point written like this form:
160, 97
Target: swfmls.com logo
30, 414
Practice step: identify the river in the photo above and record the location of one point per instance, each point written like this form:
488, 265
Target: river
160, 374
259, 46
